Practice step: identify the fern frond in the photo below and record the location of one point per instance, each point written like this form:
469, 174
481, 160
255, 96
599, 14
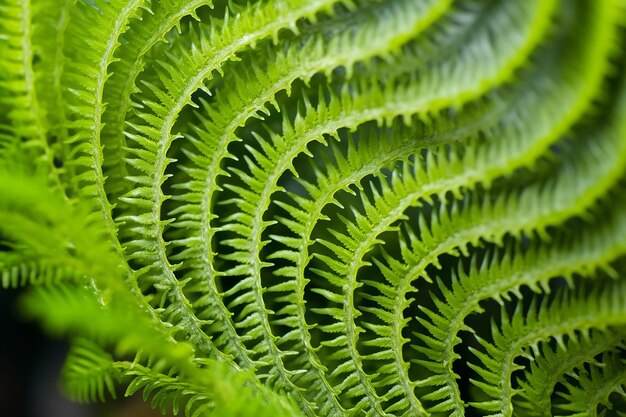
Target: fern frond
218, 129
593, 388
253, 199
215, 390
90, 370
87, 311
552, 364
131, 60
94, 32
51, 19
194, 69
19, 87
41, 229
569, 312
497, 278
89, 373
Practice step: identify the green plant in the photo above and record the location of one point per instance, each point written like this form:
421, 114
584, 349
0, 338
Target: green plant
325, 207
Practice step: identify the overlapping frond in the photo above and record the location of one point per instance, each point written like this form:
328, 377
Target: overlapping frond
316, 205
565, 314
555, 364
592, 388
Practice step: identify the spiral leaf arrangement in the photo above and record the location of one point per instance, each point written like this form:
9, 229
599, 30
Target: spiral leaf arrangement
322, 207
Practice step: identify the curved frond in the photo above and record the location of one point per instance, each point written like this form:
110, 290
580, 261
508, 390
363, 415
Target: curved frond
316, 207
89, 373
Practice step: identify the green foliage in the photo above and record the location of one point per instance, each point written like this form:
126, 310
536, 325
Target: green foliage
322, 207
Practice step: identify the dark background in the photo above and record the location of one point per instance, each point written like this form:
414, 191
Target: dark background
30, 365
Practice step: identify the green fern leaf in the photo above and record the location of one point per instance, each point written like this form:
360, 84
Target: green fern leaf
290, 207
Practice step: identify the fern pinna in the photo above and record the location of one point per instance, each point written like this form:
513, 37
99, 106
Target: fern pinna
322, 207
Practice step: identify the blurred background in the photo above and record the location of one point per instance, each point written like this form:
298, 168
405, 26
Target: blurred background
30, 365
